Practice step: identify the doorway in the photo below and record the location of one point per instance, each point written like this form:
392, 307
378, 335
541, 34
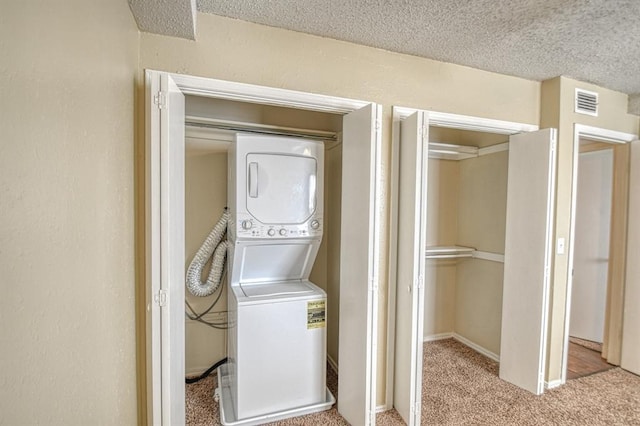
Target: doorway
594, 313
591, 258
165, 237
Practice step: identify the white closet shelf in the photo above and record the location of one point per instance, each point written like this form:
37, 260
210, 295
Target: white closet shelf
449, 252
445, 151
455, 252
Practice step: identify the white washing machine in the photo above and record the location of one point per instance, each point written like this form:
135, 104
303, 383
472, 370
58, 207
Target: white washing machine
277, 337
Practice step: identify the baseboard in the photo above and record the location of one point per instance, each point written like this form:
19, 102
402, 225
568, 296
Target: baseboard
439, 336
332, 363
552, 384
382, 408
476, 347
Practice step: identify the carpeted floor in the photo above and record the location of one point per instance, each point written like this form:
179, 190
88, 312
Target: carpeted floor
461, 387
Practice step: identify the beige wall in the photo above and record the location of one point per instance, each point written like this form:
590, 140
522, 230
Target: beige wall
557, 111
442, 230
481, 225
205, 199
326, 269
239, 51
68, 333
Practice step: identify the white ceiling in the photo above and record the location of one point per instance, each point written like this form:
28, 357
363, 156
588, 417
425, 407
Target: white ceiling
596, 41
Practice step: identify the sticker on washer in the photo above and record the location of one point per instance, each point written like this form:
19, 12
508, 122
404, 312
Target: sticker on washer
316, 314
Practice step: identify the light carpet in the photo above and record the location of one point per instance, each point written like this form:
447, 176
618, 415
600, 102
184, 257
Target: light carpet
461, 387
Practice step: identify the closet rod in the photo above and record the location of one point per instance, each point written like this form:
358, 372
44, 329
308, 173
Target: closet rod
228, 126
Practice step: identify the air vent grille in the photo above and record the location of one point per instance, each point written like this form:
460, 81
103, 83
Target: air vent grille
586, 102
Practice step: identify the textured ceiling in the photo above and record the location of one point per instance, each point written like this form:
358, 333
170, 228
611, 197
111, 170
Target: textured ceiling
176, 18
596, 41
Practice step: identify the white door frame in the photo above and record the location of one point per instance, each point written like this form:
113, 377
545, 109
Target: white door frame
439, 119
600, 135
206, 87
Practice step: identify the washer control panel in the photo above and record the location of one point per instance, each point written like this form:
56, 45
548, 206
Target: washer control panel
249, 227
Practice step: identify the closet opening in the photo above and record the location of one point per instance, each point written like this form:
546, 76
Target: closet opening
597, 252
473, 241
466, 219
228, 107
210, 128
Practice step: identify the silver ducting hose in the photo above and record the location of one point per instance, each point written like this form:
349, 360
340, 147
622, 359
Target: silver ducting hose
215, 249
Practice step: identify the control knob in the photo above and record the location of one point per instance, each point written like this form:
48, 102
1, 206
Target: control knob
271, 232
246, 224
283, 232
315, 224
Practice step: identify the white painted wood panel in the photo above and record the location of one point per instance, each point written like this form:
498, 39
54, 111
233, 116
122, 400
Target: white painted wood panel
591, 247
165, 245
527, 259
631, 325
412, 212
358, 266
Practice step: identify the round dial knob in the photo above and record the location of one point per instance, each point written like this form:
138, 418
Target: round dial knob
315, 224
246, 224
271, 232
283, 232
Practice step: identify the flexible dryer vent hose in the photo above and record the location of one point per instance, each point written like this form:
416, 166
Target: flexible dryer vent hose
212, 246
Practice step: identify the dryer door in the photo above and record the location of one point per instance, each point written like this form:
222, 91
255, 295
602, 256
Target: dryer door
281, 189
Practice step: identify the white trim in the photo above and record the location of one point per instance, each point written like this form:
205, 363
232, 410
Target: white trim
553, 384
439, 336
493, 149
382, 408
393, 254
601, 135
476, 347
485, 255
211, 88
467, 122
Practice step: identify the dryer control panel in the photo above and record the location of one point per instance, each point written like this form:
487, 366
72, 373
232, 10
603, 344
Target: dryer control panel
248, 227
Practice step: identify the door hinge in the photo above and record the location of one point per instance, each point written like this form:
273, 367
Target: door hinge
373, 285
378, 124
160, 99
420, 282
160, 298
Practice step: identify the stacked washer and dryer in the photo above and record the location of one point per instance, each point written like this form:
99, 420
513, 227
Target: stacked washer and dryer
277, 332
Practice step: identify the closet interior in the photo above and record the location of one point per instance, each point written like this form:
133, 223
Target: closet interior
466, 220
210, 125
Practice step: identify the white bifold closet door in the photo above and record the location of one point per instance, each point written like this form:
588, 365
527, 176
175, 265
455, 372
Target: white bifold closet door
631, 320
358, 264
412, 214
527, 258
165, 255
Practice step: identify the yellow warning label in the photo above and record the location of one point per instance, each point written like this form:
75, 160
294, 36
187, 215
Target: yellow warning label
316, 314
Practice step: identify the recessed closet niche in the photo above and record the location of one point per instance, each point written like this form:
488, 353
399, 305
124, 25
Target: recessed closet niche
210, 124
466, 219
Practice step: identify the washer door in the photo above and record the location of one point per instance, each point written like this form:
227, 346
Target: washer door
281, 189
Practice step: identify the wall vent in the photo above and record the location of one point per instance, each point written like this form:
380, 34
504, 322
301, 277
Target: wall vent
586, 102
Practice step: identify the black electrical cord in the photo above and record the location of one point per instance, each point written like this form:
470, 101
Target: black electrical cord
194, 316
206, 373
